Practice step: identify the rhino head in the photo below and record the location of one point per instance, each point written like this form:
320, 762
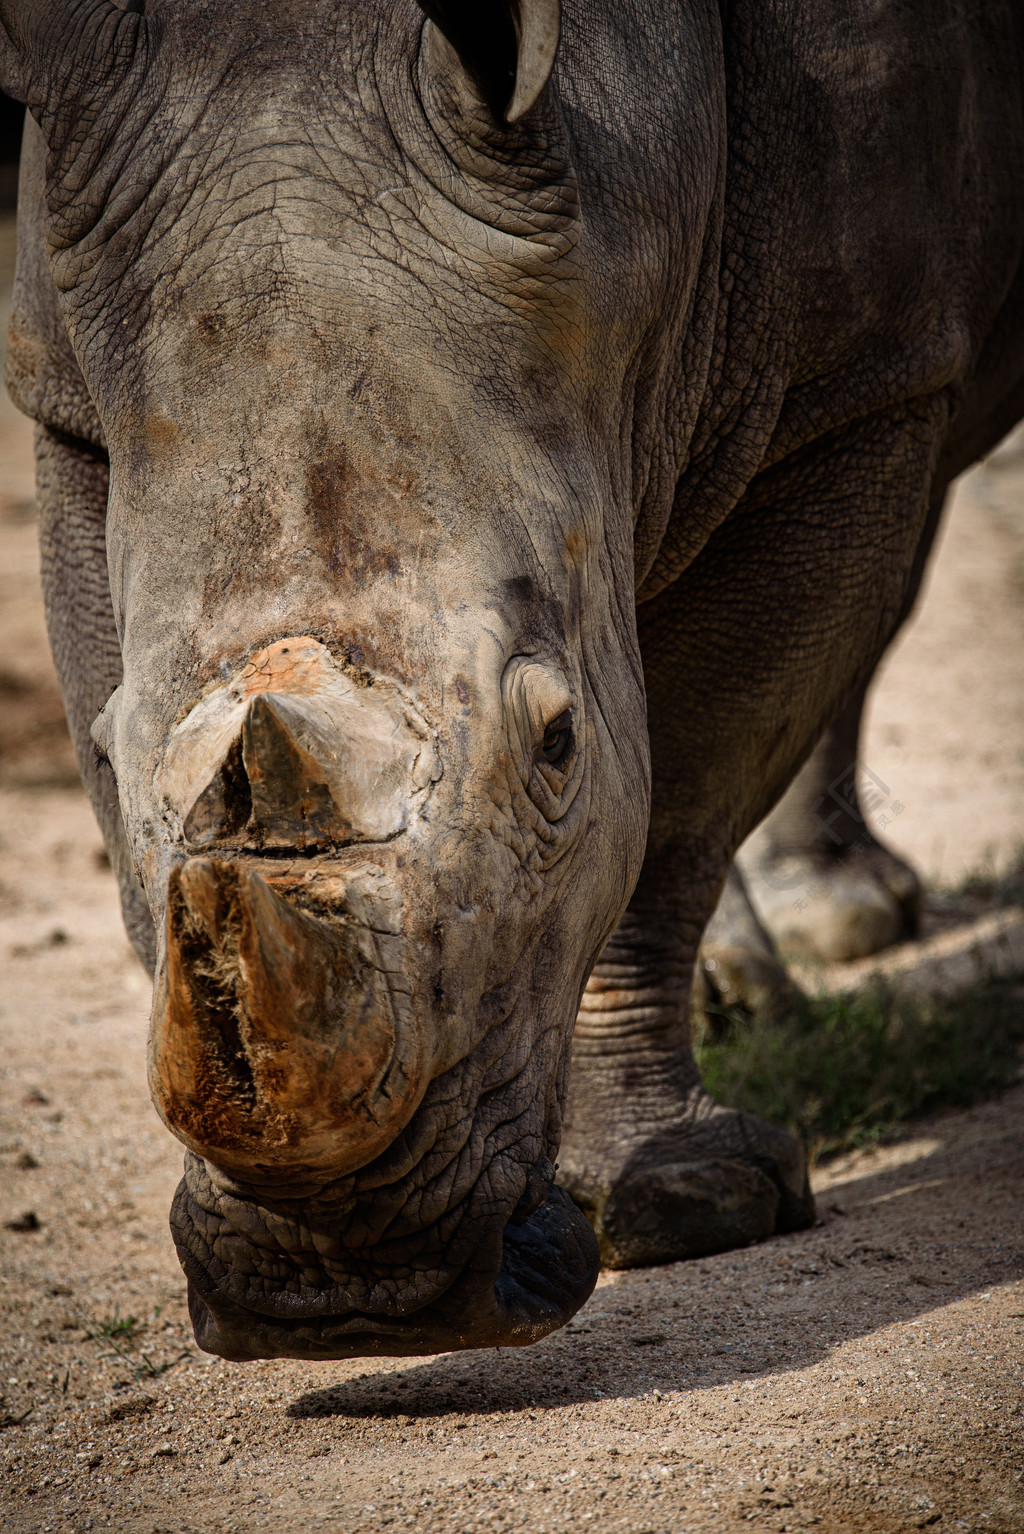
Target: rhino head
379, 744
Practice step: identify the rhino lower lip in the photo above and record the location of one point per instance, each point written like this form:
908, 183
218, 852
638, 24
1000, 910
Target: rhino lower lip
543, 1270
240, 1337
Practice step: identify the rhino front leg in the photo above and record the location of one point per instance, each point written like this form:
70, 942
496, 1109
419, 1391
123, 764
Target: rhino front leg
661, 1168
746, 659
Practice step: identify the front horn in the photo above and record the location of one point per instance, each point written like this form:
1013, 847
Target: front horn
275, 1051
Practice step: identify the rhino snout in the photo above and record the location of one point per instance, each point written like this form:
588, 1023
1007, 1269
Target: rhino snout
283, 1044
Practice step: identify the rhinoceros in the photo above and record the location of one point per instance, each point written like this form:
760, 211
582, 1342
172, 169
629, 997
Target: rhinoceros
480, 448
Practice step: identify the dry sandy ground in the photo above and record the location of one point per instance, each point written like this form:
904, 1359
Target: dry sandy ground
863, 1375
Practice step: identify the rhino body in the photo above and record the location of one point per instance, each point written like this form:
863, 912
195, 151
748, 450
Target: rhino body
477, 458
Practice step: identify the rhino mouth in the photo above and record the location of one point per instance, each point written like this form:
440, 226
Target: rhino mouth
521, 1282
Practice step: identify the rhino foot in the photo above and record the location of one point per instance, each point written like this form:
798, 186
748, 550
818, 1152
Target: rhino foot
834, 908
719, 1179
733, 975
738, 964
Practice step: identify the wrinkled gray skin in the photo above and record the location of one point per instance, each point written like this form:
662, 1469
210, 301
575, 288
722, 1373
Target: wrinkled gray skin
629, 411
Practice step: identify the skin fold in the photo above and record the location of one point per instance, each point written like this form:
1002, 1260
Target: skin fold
477, 461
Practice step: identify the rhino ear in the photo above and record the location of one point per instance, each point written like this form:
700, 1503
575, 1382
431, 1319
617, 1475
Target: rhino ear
43, 43
12, 81
507, 47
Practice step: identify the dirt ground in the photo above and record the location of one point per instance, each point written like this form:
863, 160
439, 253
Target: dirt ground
867, 1374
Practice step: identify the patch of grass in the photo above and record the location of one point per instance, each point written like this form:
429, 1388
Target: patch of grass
843, 1071
121, 1334
118, 1328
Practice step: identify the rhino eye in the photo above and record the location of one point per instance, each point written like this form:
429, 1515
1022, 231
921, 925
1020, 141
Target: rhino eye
557, 738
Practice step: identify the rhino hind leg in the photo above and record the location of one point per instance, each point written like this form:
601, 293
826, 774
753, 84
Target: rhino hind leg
822, 883
820, 880
739, 967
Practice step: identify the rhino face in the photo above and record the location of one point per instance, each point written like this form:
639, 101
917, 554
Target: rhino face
380, 742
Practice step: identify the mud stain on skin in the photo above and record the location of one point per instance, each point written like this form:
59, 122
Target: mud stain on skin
211, 326
520, 593
329, 482
576, 545
160, 435
363, 519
